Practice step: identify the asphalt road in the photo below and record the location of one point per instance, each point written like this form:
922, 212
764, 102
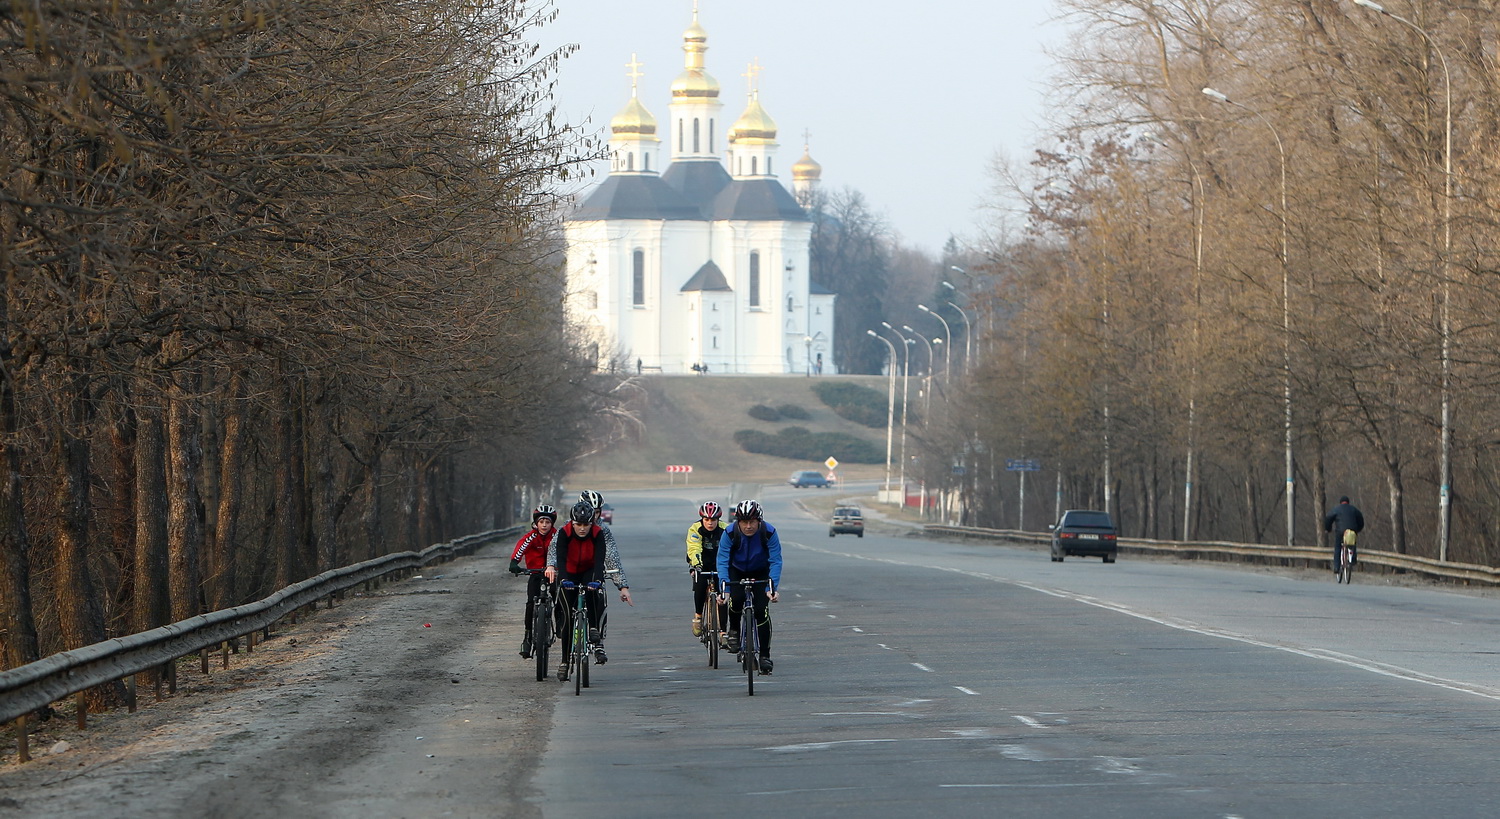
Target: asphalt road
918, 678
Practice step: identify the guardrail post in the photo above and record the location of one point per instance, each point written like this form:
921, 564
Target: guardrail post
83, 711
224, 651
130, 684
172, 677
203, 660
23, 743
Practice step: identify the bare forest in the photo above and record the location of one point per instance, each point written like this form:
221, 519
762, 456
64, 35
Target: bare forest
281, 293
1261, 241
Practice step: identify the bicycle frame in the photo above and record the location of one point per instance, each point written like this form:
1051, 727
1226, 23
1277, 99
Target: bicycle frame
712, 625
581, 647
750, 632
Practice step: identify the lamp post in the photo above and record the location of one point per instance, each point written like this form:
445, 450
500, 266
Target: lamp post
808, 340
1445, 477
890, 403
968, 328
1286, 316
905, 393
927, 404
948, 334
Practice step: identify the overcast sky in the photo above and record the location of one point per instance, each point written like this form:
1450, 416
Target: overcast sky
907, 102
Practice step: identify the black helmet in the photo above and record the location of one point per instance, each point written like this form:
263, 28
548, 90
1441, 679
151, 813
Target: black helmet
582, 512
747, 510
592, 498
544, 510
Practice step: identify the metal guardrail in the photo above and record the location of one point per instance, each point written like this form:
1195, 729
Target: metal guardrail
1250, 552
39, 684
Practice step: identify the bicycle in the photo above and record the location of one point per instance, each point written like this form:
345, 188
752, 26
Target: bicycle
580, 647
1344, 563
543, 615
712, 628
749, 655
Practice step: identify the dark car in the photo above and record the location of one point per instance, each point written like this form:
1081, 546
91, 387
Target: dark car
808, 477
847, 520
606, 514
1084, 533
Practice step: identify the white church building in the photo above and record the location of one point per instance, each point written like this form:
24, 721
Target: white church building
703, 263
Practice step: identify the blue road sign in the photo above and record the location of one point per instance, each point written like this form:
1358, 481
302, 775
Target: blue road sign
1023, 465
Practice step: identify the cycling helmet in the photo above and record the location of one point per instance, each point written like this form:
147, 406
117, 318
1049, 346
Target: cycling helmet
582, 512
710, 510
747, 510
591, 497
544, 510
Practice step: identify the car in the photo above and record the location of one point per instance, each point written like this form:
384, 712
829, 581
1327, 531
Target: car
606, 514
847, 520
808, 477
1084, 533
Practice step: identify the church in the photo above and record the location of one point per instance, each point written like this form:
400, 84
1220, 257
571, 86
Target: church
701, 265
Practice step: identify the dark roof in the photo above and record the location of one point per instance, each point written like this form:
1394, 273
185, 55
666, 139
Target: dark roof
815, 289
635, 197
698, 180
763, 200
708, 277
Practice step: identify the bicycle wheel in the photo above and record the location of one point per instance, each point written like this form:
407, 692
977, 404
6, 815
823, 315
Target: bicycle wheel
749, 643
541, 635
1345, 567
580, 648
711, 630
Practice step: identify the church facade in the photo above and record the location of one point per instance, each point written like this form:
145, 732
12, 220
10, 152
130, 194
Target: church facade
703, 263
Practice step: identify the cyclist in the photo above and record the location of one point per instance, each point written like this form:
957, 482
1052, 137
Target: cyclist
531, 553
703, 550
752, 550
1345, 518
584, 552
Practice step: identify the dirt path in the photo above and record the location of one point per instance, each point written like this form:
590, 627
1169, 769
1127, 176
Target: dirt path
361, 710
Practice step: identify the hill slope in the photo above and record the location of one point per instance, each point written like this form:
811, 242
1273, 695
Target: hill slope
692, 420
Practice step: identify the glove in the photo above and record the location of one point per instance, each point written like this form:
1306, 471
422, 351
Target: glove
515, 567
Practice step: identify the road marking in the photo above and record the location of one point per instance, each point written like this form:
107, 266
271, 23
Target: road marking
1029, 722
858, 629
921, 667
967, 691
1053, 785
866, 714
1352, 661
799, 790
884, 646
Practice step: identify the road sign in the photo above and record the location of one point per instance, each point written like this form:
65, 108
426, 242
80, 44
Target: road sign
1023, 465
680, 468
831, 463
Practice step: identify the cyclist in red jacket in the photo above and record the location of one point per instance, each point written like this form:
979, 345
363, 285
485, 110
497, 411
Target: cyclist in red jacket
531, 553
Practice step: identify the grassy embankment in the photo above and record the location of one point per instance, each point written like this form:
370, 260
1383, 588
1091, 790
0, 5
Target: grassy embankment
692, 420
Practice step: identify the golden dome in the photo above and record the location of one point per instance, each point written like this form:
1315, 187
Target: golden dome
633, 119
694, 32
754, 124
806, 169
695, 83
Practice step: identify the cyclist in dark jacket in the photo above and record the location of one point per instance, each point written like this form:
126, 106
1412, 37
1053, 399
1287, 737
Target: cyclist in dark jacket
752, 551
1345, 517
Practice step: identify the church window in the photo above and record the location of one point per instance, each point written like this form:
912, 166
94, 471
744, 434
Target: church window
630, 161
818, 312
768, 166
789, 356
646, 162
752, 166
716, 307
681, 146
716, 342
790, 305
638, 278
695, 136
591, 300
710, 135
754, 279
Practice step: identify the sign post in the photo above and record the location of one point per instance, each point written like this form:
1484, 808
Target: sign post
1022, 465
685, 469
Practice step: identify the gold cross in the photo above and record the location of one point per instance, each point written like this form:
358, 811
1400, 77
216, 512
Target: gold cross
752, 74
635, 72
806, 139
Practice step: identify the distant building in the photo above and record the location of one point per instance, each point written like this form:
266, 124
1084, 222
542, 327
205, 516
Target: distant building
705, 263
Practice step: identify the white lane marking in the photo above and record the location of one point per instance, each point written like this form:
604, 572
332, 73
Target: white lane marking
1350, 660
865, 714
798, 790
970, 692
1029, 722
858, 629
921, 667
832, 616
910, 703
823, 746
884, 646
1052, 785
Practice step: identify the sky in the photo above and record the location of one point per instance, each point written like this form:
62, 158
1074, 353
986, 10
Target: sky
908, 103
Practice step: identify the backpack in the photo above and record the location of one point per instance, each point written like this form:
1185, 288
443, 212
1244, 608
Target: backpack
1350, 536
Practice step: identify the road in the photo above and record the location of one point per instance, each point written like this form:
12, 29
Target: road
914, 677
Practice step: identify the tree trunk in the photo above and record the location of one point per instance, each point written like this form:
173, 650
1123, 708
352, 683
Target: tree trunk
184, 505
153, 601
120, 517
288, 491
225, 545
17, 619
1398, 506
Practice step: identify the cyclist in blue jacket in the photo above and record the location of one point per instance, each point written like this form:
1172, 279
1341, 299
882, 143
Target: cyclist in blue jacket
751, 550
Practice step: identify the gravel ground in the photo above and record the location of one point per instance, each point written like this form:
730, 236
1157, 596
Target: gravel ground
359, 710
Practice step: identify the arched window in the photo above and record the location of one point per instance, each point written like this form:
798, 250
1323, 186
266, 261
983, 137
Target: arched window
754, 279
768, 166
695, 136
646, 161
638, 278
710, 135
752, 166
681, 146
716, 342
630, 161
789, 356
591, 300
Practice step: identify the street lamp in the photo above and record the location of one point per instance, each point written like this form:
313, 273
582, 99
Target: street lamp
1286, 315
948, 334
890, 404
927, 405
968, 329
905, 393
1445, 478
808, 340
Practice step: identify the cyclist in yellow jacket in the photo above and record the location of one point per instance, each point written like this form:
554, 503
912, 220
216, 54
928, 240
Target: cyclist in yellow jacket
703, 550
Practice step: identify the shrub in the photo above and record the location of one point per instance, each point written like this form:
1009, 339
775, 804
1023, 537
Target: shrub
853, 402
800, 444
793, 411
761, 412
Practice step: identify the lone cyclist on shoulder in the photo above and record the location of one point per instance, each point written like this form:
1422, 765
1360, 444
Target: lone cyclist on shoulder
752, 550
1345, 517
